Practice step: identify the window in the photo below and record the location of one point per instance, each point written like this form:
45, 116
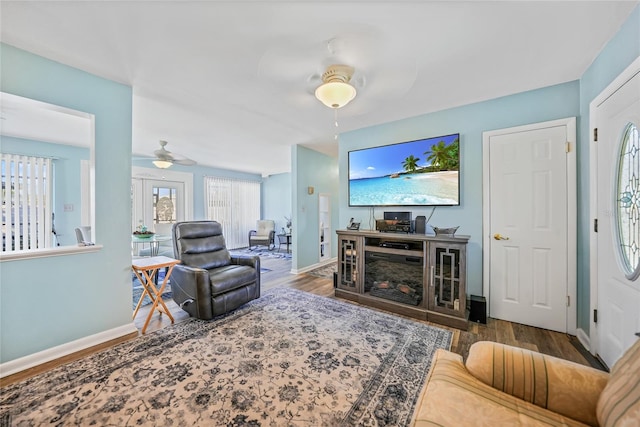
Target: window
628, 201
26, 202
164, 205
235, 204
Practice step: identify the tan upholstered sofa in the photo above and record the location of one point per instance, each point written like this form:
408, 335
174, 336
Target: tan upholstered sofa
502, 385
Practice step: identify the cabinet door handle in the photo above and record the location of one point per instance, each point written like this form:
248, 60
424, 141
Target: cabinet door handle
432, 274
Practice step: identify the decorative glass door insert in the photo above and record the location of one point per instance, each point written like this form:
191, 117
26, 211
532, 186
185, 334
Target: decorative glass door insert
627, 216
164, 204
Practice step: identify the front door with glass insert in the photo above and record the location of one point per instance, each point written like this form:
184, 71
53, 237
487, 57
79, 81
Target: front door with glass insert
617, 252
157, 202
163, 202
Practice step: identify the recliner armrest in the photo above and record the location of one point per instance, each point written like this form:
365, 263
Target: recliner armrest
194, 283
249, 260
561, 386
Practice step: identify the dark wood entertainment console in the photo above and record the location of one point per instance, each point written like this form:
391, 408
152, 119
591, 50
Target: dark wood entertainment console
416, 275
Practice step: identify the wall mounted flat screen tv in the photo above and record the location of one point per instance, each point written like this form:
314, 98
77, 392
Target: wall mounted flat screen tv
425, 172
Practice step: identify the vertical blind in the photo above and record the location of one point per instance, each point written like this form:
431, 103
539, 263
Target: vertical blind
26, 202
235, 204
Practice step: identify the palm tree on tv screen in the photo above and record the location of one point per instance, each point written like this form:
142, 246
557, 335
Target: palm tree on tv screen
410, 164
444, 157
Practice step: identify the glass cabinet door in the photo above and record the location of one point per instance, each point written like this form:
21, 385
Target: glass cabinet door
447, 287
348, 264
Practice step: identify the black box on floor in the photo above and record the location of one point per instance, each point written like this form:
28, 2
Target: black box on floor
478, 309
335, 279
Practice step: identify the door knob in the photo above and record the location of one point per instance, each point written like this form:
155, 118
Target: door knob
498, 236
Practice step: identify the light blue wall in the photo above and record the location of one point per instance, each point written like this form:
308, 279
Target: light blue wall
47, 302
470, 121
276, 199
617, 55
66, 169
312, 169
566, 100
199, 173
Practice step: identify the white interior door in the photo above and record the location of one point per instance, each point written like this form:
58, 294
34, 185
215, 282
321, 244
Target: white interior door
529, 239
616, 115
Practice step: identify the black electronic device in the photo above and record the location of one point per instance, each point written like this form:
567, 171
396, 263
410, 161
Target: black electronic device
353, 225
395, 245
421, 224
393, 226
397, 216
478, 309
395, 222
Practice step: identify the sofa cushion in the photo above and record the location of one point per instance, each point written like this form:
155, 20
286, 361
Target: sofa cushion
453, 397
561, 386
619, 403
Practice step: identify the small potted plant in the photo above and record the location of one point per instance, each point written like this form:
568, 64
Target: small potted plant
143, 232
287, 229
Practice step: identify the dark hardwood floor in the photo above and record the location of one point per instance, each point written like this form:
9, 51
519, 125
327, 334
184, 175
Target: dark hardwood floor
548, 342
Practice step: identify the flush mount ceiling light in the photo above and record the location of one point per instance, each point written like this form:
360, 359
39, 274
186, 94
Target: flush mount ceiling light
162, 164
335, 91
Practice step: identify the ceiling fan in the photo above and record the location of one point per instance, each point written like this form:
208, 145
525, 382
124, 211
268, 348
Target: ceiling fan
165, 158
360, 64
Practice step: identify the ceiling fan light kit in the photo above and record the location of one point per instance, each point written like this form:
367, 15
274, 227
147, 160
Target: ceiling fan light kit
335, 91
165, 159
162, 164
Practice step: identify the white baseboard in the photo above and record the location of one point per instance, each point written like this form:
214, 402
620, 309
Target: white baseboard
584, 339
20, 364
314, 266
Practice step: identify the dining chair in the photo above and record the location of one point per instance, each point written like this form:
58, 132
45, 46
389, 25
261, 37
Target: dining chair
83, 234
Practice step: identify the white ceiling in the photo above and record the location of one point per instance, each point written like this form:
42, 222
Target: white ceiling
26, 118
230, 83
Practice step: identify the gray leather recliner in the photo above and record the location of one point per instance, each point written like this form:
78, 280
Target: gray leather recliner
209, 281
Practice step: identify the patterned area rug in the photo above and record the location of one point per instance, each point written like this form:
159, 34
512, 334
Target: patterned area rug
263, 252
287, 359
325, 271
273, 265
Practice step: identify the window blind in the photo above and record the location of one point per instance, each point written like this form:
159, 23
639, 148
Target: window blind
26, 202
236, 205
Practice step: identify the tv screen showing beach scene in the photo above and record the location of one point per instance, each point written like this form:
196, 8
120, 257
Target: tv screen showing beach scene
425, 172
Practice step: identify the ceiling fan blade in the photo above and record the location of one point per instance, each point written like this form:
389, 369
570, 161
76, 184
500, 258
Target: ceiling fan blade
290, 63
390, 82
185, 162
162, 154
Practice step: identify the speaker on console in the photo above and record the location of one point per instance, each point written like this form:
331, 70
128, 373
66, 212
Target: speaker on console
421, 226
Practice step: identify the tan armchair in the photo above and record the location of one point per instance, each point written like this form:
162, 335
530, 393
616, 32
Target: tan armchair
500, 385
264, 234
